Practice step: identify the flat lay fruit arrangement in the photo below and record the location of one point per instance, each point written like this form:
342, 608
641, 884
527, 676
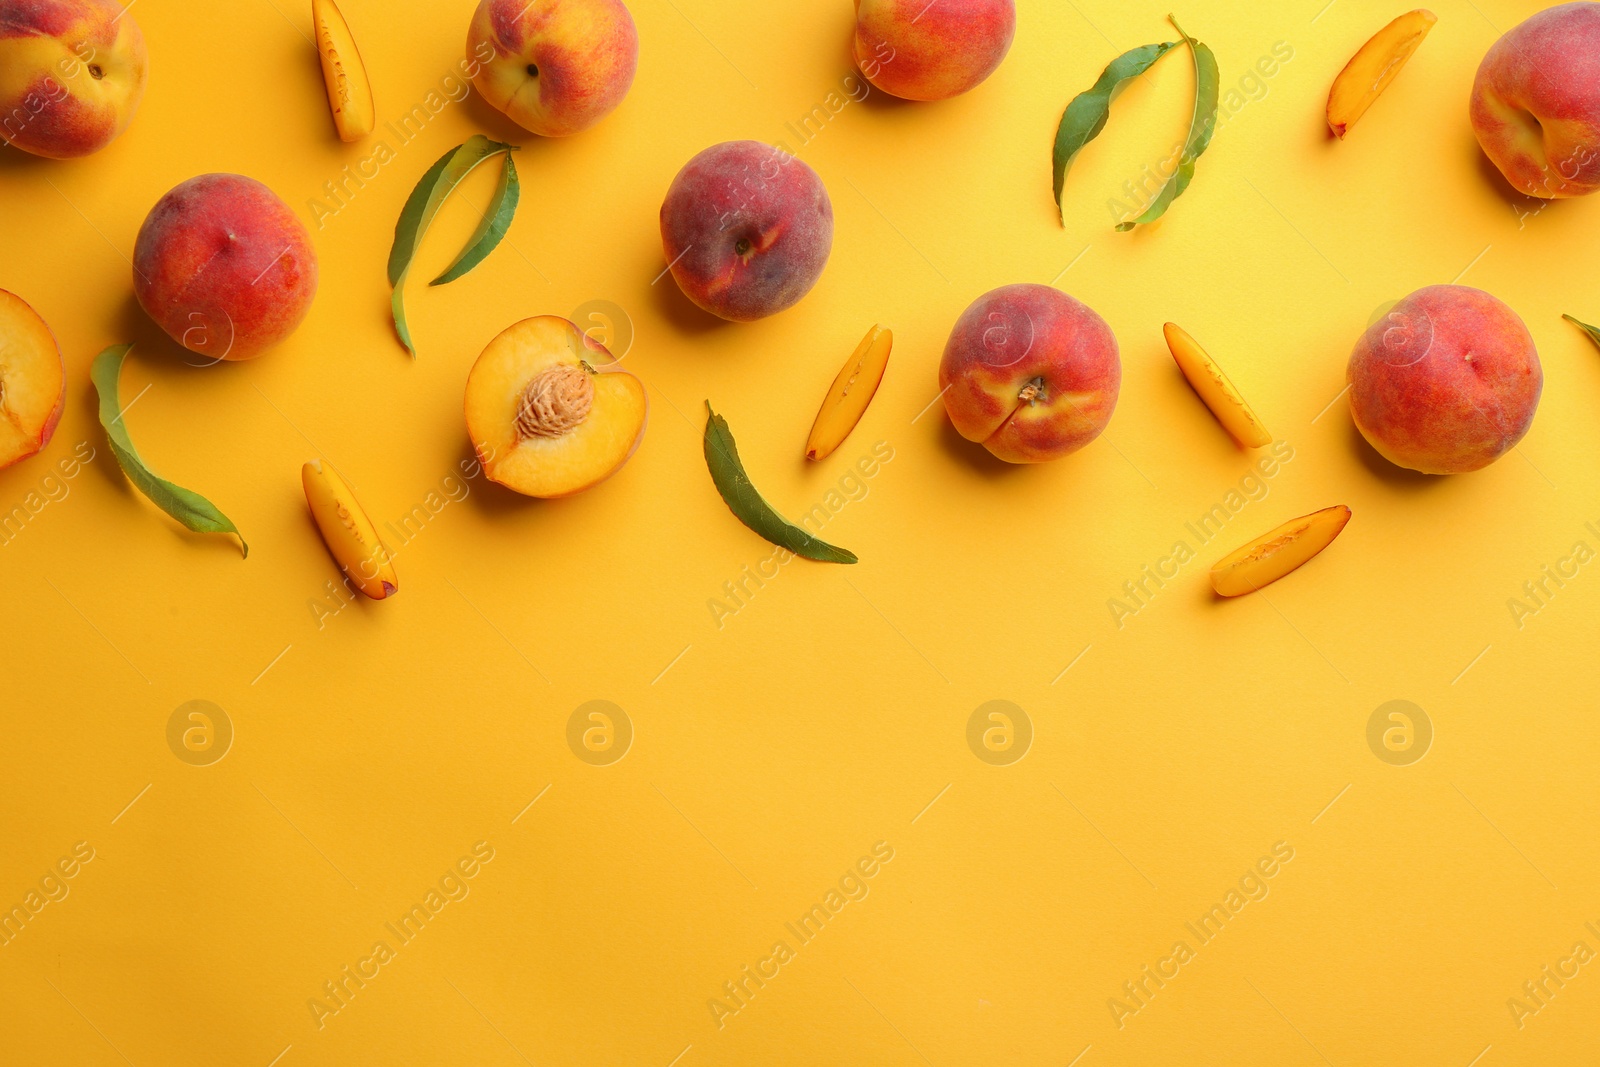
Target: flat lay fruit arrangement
597, 329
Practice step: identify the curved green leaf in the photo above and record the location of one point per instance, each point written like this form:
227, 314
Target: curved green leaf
189, 508
496, 221
1086, 116
410, 226
1204, 123
747, 505
421, 207
1592, 331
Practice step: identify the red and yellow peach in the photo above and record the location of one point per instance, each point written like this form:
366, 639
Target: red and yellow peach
1536, 102
71, 74
1447, 382
746, 230
224, 267
1030, 373
919, 50
559, 66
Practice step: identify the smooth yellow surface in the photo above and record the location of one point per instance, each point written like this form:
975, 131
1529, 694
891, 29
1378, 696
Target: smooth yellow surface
372, 745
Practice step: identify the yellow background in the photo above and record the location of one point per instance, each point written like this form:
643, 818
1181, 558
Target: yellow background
771, 753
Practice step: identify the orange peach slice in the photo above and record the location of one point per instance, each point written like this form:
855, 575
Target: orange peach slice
348, 532
1216, 390
349, 88
548, 410
1373, 67
1270, 557
850, 393
33, 381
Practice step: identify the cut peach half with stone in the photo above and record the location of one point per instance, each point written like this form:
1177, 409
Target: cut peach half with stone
1215, 389
33, 381
549, 411
850, 393
1270, 557
1371, 69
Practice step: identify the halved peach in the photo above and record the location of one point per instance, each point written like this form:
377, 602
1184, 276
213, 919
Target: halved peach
549, 411
33, 381
1215, 389
852, 390
1373, 67
1273, 555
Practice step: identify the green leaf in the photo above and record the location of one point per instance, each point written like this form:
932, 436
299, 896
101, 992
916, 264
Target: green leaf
1201, 127
418, 214
407, 231
1086, 116
1592, 331
495, 224
189, 508
722, 459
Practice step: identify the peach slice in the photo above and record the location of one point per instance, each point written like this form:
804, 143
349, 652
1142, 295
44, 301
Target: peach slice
1373, 67
348, 532
548, 410
1273, 555
850, 393
33, 381
349, 88
1215, 389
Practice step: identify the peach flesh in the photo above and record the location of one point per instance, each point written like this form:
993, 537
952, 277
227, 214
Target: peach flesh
33, 381
746, 229
224, 267
1030, 373
1447, 382
549, 412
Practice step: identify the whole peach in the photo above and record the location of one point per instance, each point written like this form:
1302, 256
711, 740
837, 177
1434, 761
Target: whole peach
558, 66
919, 50
1030, 373
746, 229
224, 267
1447, 382
1536, 102
71, 74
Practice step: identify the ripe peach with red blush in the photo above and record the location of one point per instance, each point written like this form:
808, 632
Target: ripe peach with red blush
1030, 373
556, 66
919, 50
72, 73
1536, 102
1447, 382
224, 266
746, 230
